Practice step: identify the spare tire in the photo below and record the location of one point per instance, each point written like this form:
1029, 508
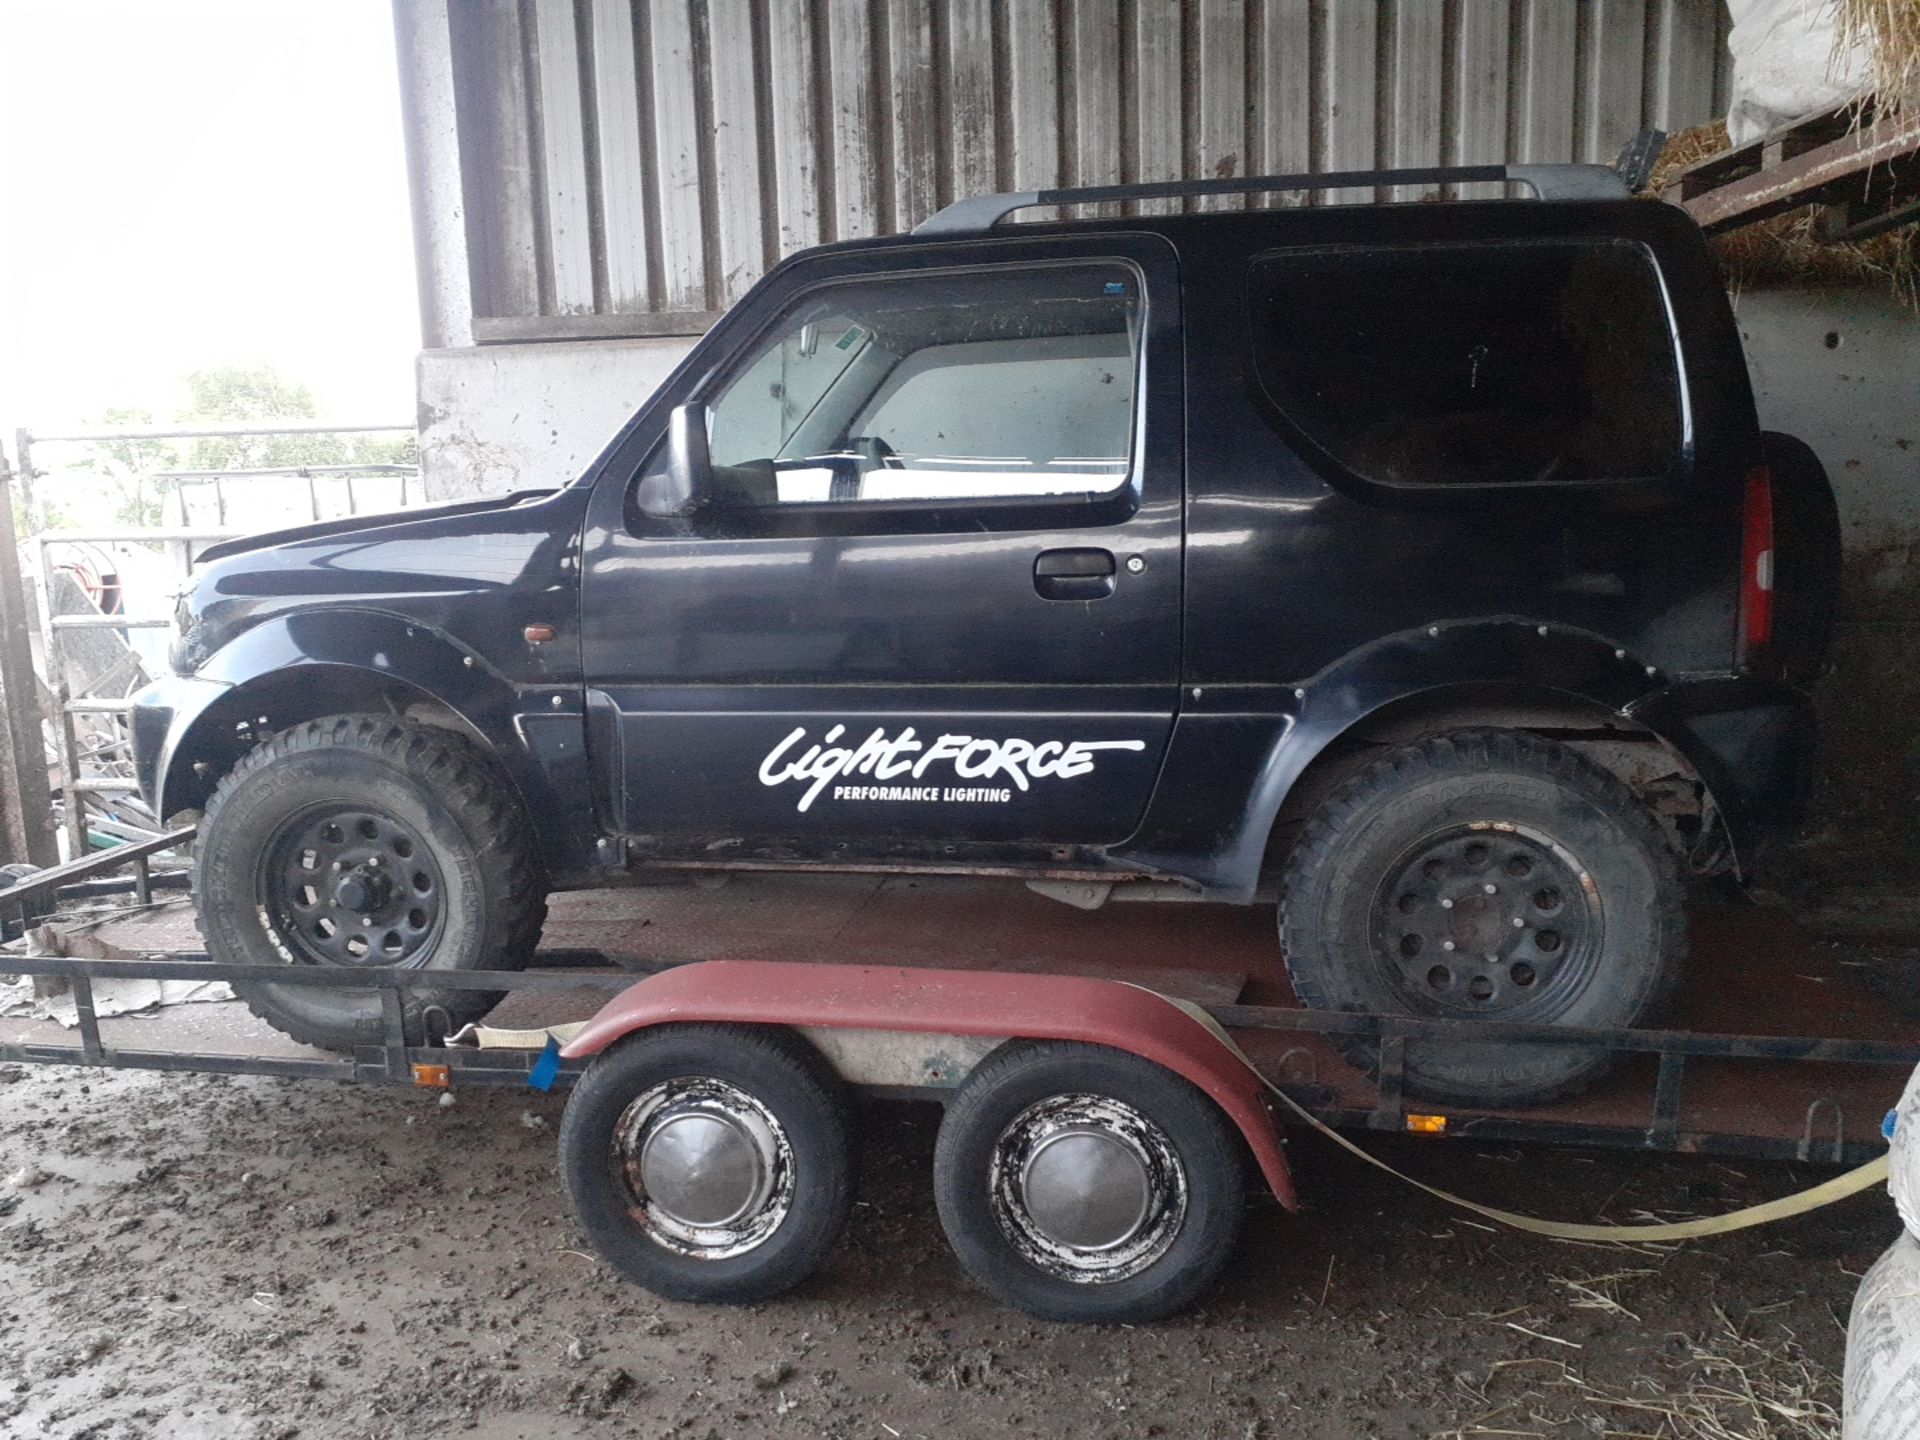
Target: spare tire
1806, 558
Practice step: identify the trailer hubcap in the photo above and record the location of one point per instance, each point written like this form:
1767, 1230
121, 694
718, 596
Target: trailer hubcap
1087, 1188
351, 885
1484, 920
708, 1169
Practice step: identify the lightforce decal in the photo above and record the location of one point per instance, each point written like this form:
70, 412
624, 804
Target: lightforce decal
890, 758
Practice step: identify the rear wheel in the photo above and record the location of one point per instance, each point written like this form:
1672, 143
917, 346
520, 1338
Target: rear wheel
359, 842
1484, 875
1082, 1183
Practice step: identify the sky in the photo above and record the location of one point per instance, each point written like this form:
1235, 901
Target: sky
195, 183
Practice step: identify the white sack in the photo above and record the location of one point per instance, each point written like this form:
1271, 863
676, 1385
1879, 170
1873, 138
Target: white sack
1903, 1156
1785, 66
1883, 1349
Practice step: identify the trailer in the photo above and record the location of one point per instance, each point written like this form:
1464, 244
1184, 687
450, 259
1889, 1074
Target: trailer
1094, 1157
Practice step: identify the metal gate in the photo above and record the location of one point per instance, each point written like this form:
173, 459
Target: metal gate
89, 710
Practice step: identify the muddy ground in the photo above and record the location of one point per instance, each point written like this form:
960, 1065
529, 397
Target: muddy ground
252, 1257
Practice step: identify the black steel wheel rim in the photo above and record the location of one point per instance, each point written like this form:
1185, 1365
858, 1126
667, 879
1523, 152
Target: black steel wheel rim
1490, 920
352, 884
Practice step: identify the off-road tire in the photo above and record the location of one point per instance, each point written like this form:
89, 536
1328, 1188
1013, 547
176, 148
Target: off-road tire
1025, 1073
1350, 848
775, 1067
448, 790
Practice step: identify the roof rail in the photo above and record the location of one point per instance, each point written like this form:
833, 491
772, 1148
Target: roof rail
1548, 182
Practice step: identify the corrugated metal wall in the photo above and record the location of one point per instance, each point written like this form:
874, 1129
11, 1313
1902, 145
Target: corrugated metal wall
629, 167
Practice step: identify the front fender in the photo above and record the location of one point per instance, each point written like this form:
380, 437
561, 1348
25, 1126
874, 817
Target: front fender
1238, 752
952, 1002
189, 730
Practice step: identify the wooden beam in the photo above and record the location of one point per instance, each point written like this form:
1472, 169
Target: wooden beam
26, 803
1838, 170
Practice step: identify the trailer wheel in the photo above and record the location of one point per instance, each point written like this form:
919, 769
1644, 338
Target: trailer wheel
1484, 875
1082, 1183
363, 842
710, 1162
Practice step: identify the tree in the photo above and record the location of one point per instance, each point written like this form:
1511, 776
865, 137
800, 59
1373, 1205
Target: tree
218, 395
234, 394
127, 467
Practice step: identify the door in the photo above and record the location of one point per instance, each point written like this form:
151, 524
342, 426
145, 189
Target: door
942, 604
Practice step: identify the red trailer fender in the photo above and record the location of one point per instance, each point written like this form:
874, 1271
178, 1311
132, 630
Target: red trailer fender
953, 1002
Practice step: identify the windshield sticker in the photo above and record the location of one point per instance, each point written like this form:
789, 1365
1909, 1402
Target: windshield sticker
904, 756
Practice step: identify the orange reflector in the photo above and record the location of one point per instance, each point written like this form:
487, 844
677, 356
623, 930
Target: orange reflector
1416, 1124
437, 1077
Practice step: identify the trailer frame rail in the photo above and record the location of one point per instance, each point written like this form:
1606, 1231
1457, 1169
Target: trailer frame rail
400, 1059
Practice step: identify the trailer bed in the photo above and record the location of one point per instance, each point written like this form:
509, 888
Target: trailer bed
1779, 1048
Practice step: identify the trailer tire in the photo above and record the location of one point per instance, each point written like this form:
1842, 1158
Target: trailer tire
1484, 874
1131, 1228
743, 1113
407, 828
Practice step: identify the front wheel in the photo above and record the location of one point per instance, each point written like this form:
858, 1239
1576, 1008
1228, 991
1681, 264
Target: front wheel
710, 1162
1484, 875
360, 842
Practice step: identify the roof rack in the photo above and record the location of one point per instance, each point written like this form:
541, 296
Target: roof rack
1548, 182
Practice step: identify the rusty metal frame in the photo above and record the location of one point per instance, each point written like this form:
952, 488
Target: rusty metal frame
1865, 172
50, 880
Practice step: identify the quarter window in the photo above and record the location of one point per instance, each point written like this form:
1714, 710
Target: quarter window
982, 384
1533, 362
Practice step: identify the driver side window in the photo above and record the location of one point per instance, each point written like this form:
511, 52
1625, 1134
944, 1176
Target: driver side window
1011, 383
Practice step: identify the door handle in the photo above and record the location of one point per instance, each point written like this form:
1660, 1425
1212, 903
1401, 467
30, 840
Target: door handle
1075, 574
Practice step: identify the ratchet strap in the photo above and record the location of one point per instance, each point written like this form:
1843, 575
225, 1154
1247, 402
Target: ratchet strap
1874, 1172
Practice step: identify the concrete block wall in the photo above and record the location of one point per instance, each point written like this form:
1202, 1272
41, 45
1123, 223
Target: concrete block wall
1841, 370
519, 417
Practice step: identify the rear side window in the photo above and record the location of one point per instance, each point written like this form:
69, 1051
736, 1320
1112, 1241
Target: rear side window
1524, 363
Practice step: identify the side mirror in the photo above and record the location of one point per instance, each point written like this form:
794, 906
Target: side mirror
677, 487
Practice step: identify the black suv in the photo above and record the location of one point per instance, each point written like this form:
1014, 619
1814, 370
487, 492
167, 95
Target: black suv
1414, 561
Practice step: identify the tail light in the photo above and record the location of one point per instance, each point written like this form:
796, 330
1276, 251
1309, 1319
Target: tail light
1756, 566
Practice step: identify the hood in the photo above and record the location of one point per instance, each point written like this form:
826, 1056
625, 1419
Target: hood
347, 524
